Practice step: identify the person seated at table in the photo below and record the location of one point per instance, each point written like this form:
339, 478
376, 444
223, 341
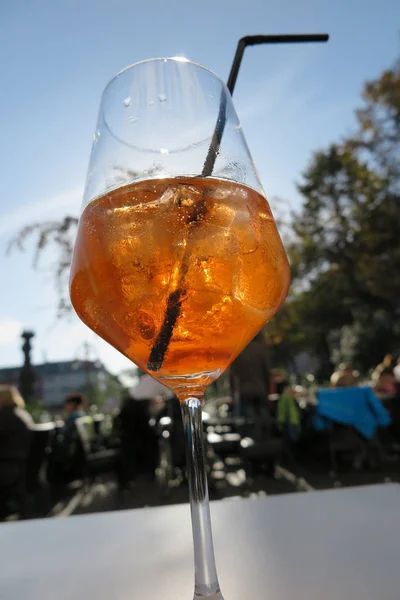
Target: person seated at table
396, 370
345, 376
386, 384
15, 437
66, 444
387, 363
74, 408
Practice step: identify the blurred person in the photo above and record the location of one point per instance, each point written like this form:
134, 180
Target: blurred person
250, 379
67, 437
74, 407
345, 376
278, 381
396, 370
15, 437
387, 363
386, 383
348, 377
334, 377
138, 440
288, 413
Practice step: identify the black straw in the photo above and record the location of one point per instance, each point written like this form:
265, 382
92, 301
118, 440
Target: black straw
174, 302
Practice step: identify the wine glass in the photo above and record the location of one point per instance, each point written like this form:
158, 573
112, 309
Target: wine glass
177, 262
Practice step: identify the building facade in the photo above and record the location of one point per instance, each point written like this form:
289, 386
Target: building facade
54, 381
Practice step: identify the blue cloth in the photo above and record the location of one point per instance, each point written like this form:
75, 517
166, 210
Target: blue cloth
356, 406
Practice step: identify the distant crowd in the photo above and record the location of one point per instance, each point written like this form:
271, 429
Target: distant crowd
258, 394
385, 378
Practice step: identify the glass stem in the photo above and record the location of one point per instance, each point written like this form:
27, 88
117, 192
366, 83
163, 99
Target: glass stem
206, 580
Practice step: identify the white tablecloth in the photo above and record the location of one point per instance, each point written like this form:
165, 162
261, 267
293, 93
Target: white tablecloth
333, 545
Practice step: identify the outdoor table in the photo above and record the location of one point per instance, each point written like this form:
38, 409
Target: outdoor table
335, 545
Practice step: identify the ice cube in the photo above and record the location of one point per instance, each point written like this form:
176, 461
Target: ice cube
187, 195
220, 215
246, 231
142, 322
124, 252
168, 198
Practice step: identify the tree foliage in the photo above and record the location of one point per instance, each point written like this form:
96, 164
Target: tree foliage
346, 247
58, 235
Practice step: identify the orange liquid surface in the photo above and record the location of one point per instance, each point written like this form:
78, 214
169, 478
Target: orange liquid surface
214, 240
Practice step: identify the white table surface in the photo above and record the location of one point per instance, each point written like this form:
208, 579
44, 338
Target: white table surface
333, 545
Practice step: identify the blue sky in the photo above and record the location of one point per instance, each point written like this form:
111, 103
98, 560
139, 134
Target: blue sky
57, 57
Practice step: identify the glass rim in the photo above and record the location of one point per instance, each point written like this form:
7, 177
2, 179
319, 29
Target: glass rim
181, 59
